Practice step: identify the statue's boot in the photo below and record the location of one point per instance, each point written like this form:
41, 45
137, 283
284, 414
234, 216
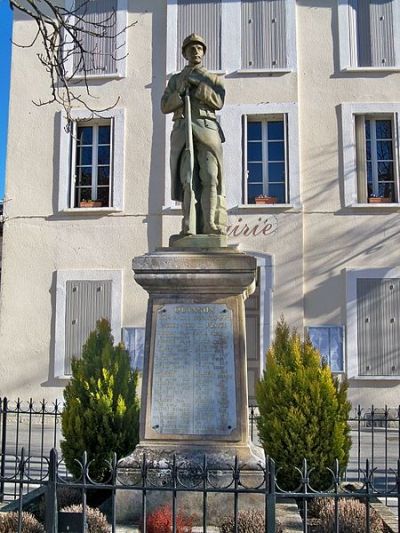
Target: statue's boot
208, 206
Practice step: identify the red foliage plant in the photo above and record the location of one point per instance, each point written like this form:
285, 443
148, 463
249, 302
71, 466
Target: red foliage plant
160, 521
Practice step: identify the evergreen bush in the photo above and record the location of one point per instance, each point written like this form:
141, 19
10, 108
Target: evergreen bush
101, 412
303, 411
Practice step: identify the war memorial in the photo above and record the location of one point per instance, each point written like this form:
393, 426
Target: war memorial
194, 394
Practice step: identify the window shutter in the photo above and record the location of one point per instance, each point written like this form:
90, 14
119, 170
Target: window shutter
202, 17
86, 303
252, 314
264, 34
362, 195
378, 327
375, 39
100, 55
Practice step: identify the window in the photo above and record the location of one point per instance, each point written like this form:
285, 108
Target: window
376, 169
82, 298
367, 33
134, 342
370, 154
202, 17
266, 162
264, 42
92, 161
373, 323
92, 164
241, 36
329, 341
103, 56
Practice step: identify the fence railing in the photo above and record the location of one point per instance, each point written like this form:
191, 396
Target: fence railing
375, 434
176, 478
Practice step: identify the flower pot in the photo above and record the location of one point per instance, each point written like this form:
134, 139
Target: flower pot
266, 200
91, 203
379, 200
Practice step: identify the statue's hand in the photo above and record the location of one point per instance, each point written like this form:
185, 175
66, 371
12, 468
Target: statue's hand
194, 79
183, 85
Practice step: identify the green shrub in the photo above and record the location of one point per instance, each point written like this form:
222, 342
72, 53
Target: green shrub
303, 411
249, 521
96, 521
9, 523
101, 413
351, 514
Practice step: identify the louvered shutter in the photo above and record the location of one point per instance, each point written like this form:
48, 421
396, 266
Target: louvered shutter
100, 52
378, 326
86, 303
375, 40
264, 40
204, 18
252, 310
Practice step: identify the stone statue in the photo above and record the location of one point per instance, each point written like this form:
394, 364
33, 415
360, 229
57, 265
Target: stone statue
193, 95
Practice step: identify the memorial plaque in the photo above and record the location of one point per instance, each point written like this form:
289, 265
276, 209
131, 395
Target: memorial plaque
193, 391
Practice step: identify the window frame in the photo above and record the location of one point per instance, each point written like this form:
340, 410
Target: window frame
347, 56
351, 167
94, 124
67, 161
265, 120
232, 120
62, 276
231, 50
352, 275
339, 327
121, 45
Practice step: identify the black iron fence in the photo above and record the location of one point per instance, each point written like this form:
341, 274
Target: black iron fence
174, 479
36, 426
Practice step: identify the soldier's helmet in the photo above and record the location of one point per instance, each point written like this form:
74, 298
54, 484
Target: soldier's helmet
193, 38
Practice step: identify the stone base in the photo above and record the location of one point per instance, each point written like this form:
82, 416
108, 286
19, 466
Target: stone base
190, 468
198, 241
218, 456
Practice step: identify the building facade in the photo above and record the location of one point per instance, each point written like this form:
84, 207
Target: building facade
311, 168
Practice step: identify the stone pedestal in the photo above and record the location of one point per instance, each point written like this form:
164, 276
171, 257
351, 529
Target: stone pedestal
194, 396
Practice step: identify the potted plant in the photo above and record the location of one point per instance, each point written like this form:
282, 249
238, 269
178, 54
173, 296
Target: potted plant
90, 203
265, 199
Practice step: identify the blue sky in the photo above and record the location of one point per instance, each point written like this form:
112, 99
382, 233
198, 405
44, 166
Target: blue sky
5, 60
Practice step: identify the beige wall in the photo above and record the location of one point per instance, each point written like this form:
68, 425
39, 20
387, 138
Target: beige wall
310, 246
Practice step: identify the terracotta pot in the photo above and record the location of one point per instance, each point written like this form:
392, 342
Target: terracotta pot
267, 200
379, 200
91, 204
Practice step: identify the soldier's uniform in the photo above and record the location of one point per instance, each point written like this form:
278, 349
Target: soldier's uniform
207, 97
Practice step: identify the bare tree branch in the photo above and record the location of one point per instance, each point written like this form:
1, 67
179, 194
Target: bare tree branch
74, 43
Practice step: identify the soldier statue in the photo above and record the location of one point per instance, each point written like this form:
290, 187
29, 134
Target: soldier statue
193, 96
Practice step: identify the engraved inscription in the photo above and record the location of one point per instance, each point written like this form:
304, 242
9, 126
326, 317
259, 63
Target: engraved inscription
193, 390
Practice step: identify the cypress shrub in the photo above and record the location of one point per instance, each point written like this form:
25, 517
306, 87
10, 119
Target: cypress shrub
101, 413
303, 411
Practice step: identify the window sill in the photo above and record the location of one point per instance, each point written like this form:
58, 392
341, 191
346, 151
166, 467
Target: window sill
89, 77
266, 71
217, 72
391, 205
90, 210
266, 206
375, 378
371, 69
